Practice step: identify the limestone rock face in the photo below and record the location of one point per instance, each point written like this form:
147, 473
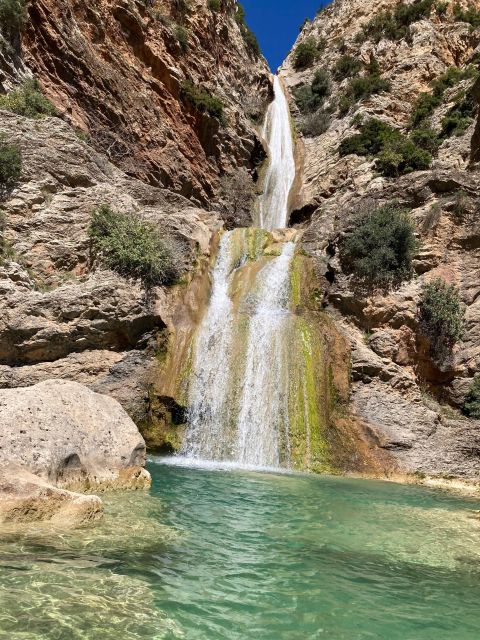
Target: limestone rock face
115, 68
393, 375
71, 437
61, 314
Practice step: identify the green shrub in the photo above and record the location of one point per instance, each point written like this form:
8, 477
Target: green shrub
132, 247
10, 166
181, 36
215, 5
203, 101
305, 53
366, 86
441, 8
311, 97
12, 18
470, 15
426, 138
426, 103
440, 317
400, 156
314, 124
346, 67
395, 26
396, 154
460, 116
379, 251
249, 37
471, 405
28, 101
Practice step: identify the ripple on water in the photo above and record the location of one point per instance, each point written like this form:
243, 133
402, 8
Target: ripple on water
235, 555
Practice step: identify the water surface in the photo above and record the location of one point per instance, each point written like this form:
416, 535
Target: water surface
237, 555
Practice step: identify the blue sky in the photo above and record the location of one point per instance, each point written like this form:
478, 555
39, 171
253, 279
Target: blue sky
276, 24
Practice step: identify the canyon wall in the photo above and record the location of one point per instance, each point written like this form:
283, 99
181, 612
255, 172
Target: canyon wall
126, 135
408, 401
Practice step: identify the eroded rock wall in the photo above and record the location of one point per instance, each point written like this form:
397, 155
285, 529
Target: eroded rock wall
406, 401
115, 69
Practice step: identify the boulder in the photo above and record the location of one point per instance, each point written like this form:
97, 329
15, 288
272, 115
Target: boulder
71, 437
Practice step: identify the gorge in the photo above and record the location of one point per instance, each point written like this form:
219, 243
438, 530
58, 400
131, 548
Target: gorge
239, 328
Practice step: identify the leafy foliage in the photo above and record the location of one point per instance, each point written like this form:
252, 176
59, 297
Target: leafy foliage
471, 406
12, 18
181, 36
395, 25
460, 116
249, 37
396, 154
441, 317
379, 251
470, 15
311, 97
305, 53
202, 100
28, 101
215, 5
314, 124
10, 166
132, 247
346, 67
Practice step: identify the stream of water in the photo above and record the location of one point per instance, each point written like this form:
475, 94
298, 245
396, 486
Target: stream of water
238, 399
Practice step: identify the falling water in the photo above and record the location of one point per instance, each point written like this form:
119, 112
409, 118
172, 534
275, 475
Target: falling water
273, 206
239, 386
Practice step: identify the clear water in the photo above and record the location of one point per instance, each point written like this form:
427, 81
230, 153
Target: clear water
251, 556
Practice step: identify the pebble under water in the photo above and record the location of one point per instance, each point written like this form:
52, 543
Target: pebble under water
237, 555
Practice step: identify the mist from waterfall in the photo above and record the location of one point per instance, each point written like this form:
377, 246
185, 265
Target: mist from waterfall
239, 384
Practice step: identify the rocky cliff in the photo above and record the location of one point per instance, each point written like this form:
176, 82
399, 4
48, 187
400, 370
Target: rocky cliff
154, 104
411, 66
121, 71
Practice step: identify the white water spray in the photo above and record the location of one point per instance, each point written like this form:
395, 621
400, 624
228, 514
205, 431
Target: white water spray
280, 175
238, 396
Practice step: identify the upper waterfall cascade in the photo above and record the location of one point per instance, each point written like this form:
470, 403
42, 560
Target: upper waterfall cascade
280, 175
239, 390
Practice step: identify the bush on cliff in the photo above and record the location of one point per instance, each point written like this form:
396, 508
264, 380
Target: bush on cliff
133, 247
346, 67
305, 53
311, 97
28, 101
379, 251
395, 25
10, 166
440, 314
396, 154
214, 5
471, 406
249, 37
12, 18
202, 100
470, 15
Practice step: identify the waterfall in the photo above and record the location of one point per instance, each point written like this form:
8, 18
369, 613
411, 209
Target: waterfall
239, 385
280, 175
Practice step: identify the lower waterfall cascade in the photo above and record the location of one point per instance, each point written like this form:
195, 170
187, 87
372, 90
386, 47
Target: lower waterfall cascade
239, 398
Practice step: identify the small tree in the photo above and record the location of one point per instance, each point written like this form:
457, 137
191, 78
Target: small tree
471, 406
379, 251
441, 317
